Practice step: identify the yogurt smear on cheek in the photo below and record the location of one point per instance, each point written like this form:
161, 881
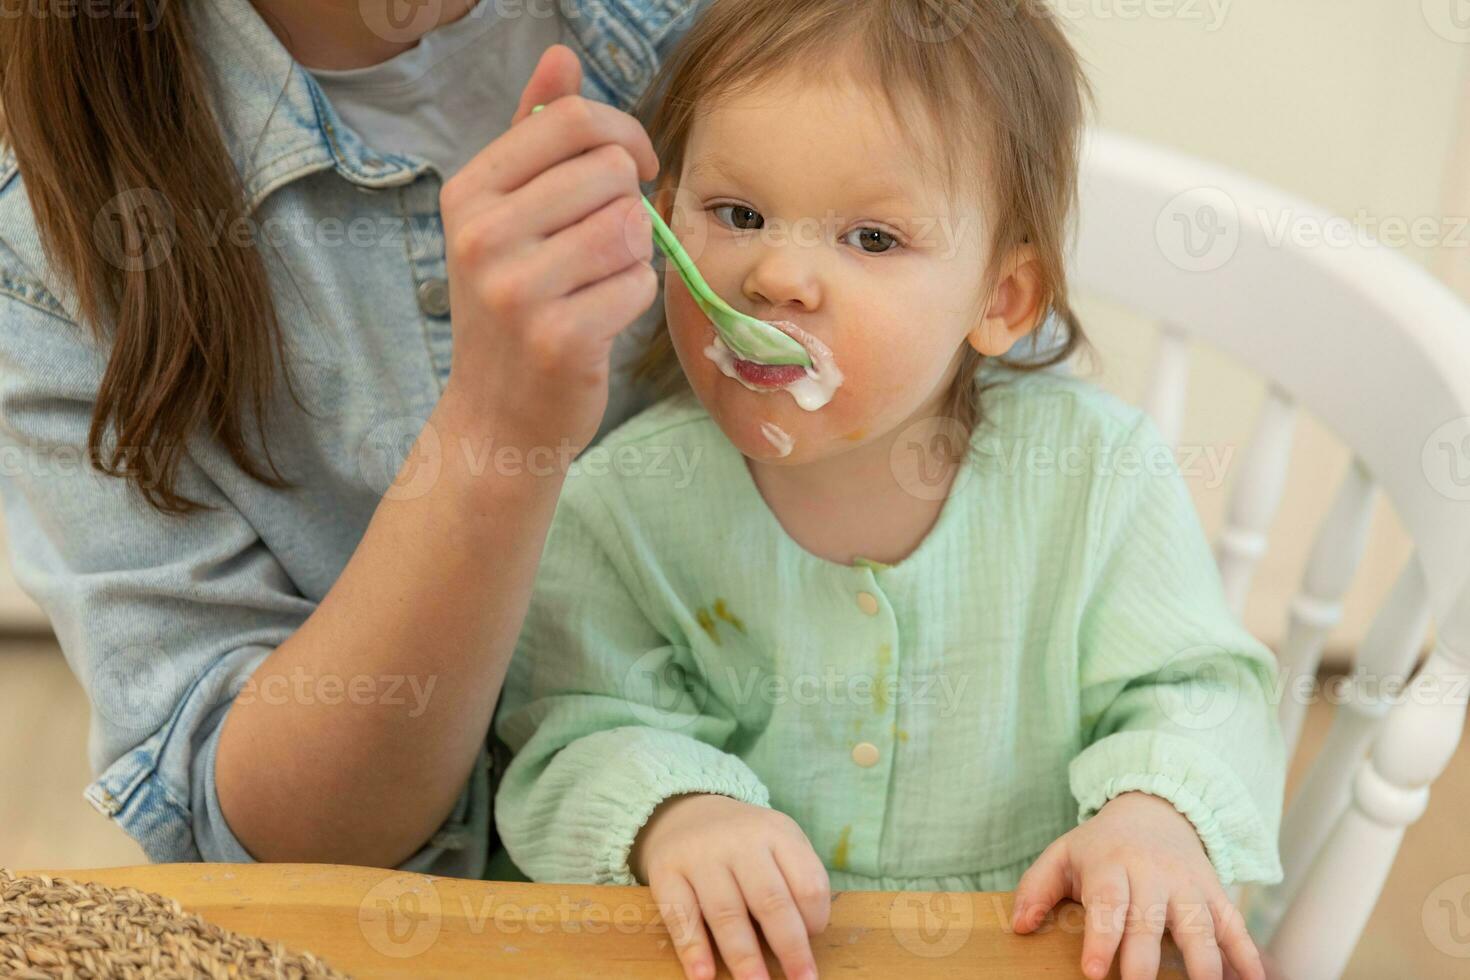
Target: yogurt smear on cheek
811, 387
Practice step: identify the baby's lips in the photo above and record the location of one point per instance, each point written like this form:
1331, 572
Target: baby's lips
769, 375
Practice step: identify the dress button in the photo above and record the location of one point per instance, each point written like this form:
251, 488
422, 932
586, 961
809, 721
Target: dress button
434, 297
868, 603
865, 754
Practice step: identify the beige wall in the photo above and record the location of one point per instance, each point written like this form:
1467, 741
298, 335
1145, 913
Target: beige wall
1355, 105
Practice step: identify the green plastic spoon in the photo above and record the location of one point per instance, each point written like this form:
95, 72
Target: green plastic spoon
751, 339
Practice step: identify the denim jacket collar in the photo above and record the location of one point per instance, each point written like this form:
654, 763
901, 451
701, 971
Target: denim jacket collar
279, 126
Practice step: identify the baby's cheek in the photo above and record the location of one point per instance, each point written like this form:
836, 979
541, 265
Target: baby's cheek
691, 332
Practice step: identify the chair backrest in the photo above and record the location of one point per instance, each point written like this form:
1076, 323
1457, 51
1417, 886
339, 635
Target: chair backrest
1378, 351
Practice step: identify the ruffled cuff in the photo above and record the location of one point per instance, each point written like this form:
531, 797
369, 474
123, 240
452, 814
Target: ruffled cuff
577, 820
1239, 839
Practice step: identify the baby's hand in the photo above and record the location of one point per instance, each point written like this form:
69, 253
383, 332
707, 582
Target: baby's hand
712, 858
1139, 858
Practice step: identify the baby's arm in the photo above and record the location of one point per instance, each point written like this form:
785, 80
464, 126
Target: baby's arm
1176, 694
611, 723
1180, 783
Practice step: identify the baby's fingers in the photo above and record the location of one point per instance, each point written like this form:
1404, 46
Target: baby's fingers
809, 882
1193, 929
769, 897
680, 910
723, 907
1045, 883
1105, 897
1231, 934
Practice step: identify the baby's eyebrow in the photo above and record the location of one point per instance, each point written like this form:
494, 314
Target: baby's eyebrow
856, 195
710, 165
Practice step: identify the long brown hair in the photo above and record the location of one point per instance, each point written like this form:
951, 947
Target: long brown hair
126, 168
998, 77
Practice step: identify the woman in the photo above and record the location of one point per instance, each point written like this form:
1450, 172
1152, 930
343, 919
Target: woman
271, 575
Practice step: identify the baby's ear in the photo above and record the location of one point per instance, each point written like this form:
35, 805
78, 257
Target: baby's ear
1016, 306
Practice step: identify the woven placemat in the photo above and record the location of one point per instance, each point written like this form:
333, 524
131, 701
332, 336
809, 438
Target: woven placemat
52, 926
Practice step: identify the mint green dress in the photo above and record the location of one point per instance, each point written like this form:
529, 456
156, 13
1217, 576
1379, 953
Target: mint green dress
1059, 637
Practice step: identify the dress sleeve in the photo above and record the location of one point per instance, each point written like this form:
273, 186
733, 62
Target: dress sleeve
1176, 694
607, 718
161, 618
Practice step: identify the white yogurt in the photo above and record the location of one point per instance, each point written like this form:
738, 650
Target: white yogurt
774, 434
812, 391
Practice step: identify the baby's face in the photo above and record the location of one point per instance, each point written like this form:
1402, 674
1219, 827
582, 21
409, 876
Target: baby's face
803, 202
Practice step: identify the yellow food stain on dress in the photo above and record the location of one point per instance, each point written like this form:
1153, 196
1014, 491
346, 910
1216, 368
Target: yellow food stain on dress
899, 733
839, 853
880, 699
724, 613
707, 624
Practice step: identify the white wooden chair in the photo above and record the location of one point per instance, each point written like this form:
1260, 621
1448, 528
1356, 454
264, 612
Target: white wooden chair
1379, 352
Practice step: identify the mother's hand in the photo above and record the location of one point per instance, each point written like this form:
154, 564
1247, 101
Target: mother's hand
548, 256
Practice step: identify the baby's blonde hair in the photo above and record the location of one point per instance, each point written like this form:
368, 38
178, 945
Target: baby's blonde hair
997, 78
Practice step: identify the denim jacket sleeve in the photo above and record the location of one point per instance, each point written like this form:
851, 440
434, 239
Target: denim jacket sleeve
162, 619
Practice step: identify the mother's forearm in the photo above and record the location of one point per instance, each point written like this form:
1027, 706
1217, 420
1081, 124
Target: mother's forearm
414, 639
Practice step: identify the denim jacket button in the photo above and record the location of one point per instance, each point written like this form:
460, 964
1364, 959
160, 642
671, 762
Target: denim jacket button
434, 297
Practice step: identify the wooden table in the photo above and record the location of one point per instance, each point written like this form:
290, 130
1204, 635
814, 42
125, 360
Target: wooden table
376, 923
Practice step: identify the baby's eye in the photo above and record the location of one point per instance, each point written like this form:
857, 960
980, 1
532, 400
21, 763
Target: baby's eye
740, 216
873, 240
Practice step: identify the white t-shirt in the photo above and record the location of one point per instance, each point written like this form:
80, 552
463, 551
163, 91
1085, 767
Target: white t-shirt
449, 95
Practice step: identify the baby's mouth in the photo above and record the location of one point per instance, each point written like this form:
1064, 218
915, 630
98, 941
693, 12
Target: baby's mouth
811, 387
768, 375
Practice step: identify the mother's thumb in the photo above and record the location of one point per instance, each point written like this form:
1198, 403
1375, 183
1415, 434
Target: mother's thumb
557, 74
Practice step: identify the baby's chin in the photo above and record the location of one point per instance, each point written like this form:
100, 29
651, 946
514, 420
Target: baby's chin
772, 428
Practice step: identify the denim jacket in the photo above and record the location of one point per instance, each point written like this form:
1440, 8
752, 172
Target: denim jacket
164, 618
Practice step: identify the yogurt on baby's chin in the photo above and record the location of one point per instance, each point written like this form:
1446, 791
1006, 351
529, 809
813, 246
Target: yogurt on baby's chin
778, 438
812, 387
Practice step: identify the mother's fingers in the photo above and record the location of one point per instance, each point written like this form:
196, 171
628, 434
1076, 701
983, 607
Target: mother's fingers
569, 192
567, 127
557, 74
608, 241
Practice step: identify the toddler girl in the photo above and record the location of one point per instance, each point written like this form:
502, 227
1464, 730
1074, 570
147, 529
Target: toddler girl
928, 615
